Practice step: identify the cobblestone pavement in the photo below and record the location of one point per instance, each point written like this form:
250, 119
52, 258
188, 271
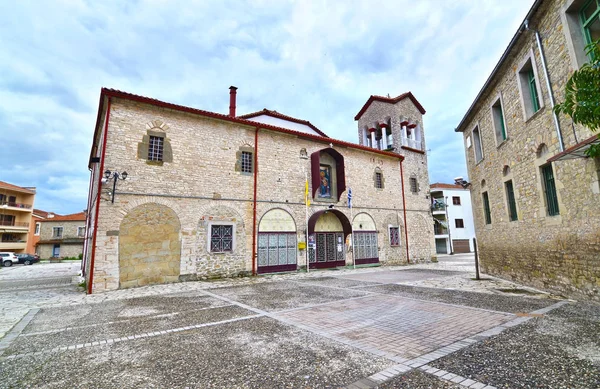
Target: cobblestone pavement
359, 328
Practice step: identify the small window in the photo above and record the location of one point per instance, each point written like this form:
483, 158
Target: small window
37, 228
221, 238
155, 148
394, 236
535, 100
378, 180
246, 162
549, 190
510, 198
414, 185
455, 200
486, 208
57, 232
498, 120
80, 232
459, 223
477, 142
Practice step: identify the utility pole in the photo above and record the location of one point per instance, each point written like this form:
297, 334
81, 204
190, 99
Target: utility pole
448, 222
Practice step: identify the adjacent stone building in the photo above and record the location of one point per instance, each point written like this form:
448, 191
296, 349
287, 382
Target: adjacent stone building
535, 195
61, 236
212, 195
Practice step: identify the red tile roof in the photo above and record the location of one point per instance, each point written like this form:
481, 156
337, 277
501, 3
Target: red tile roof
39, 213
391, 100
72, 217
6, 185
108, 93
439, 185
278, 115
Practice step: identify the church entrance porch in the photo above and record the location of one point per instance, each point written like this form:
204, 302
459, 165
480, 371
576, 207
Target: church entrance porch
327, 231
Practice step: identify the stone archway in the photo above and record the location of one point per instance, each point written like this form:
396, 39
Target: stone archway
365, 244
327, 231
277, 246
149, 246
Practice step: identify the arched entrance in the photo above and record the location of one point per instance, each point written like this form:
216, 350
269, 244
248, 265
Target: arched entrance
366, 247
149, 246
277, 247
327, 231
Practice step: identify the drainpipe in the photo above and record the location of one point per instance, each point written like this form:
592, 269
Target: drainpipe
404, 209
100, 175
254, 202
548, 84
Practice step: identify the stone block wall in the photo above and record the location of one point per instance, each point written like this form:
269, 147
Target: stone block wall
558, 253
202, 186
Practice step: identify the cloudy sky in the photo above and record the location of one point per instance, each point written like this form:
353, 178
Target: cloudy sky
314, 60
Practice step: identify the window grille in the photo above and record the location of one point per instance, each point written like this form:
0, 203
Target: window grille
246, 162
221, 238
394, 236
378, 180
155, 148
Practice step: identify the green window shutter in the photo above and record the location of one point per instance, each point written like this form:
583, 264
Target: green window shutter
486, 208
512, 205
535, 102
502, 127
590, 20
550, 190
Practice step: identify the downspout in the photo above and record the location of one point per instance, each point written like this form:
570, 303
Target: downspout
86, 242
98, 198
404, 210
254, 203
548, 84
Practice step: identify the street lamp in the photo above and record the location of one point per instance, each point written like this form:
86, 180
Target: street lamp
114, 176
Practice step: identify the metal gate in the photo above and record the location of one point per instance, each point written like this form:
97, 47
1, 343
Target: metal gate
365, 247
276, 252
329, 250
441, 247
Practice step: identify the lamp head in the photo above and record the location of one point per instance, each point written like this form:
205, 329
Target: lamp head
124, 175
107, 174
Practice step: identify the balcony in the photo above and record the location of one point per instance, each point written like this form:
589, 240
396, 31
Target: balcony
13, 246
439, 230
14, 224
412, 143
438, 207
16, 206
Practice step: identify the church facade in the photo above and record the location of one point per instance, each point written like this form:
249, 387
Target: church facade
213, 195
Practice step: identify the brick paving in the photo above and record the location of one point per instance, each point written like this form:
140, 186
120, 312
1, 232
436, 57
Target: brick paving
396, 326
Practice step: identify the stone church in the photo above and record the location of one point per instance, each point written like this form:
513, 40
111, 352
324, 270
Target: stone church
177, 193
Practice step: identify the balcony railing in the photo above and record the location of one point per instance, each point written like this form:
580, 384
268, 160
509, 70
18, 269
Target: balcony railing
16, 205
438, 206
412, 143
438, 230
13, 224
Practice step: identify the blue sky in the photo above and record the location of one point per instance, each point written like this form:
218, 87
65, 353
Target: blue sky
314, 60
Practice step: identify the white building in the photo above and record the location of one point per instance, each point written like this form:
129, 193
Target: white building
453, 218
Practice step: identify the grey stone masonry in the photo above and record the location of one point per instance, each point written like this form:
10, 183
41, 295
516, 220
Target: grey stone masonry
549, 247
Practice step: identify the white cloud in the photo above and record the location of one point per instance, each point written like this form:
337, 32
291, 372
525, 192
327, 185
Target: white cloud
316, 60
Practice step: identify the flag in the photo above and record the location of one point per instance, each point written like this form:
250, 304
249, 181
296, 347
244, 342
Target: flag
349, 197
306, 197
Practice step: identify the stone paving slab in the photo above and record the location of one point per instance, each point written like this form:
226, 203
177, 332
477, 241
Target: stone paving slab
496, 302
253, 353
29, 343
275, 296
134, 308
337, 282
395, 276
396, 326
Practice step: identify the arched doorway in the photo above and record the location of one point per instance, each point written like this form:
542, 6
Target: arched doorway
277, 246
149, 246
327, 231
366, 247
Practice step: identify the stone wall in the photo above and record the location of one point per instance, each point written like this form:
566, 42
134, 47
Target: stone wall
45, 251
202, 187
558, 253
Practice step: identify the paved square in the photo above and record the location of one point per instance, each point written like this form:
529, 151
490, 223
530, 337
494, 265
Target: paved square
397, 326
396, 276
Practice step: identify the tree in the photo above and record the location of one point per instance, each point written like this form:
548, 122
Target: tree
582, 95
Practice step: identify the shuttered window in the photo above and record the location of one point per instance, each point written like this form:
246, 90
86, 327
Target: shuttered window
510, 198
486, 208
549, 190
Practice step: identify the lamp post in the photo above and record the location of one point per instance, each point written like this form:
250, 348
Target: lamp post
114, 176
